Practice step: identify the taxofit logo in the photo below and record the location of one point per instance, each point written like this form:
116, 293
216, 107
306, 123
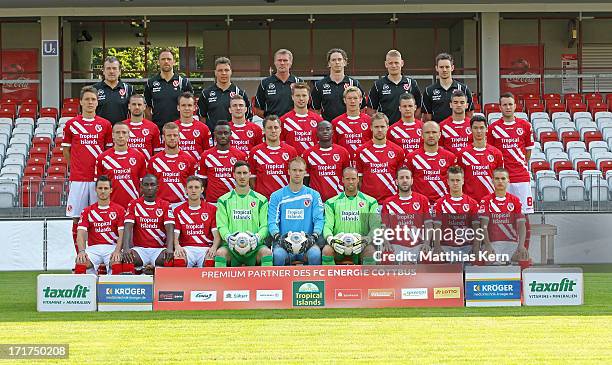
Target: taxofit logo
347, 294
381, 294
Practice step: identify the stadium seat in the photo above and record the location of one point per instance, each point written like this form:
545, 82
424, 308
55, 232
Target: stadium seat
603, 123
556, 157
555, 107
574, 191
604, 166
578, 157
533, 107
597, 190
45, 121
57, 170
576, 107
57, 151
550, 190
567, 175
48, 112
25, 112
491, 108
41, 142
585, 165
52, 195
8, 192
538, 115
562, 165
551, 146
539, 166
58, 161
492, 117
552, 97
542, 175
590, 136
69, 112
35, 171
41, 152
546, 135
29, 193
592, 96
598, 107
36, 161
7, 113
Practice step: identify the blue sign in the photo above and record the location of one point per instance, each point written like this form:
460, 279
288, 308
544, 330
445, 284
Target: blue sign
482, 289
125, 293
50, 48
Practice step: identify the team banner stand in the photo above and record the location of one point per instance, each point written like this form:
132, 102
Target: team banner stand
553, 286
308, 287
125, 293
492, 286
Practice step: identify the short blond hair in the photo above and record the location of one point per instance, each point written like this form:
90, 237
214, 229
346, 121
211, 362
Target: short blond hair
352, 89
394, 53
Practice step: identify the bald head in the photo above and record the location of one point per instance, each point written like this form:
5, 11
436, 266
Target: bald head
431, 134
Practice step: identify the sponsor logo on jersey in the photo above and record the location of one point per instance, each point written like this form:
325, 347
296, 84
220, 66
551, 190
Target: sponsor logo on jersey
156, 84
490, 158
381, 293
442, 163
145, 132
175, 83
182, 166
416, 205
447, 293
308, 293
101, 92
98, 128
159, 212
196, 133
519, 131
242, 214
336, 157
132, 161
326, 86
112, 215
346, 86
436, 92
204, 216
203, 296
294, 214
466, 207
391, 154
385, 87
481, 208
271, 86
510, 207
250, 134
213, 93
285, 156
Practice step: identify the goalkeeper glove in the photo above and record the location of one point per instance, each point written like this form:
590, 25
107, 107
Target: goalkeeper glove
231, 240
336, 244
359, 246
253, 240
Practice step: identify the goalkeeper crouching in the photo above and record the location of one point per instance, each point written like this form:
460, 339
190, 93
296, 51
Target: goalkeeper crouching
295, 220
350, 220
242, 221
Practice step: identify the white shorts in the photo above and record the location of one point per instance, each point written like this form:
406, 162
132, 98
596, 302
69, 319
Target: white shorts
523, 191
195, 255
148, 255
505, 248
100, 254
81, 195
404, 250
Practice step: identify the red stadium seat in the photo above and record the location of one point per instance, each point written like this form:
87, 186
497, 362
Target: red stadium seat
548, 137
27, 113
36, 171
491, 108
57, 170
58, 141
562, 165
573, 98
569, 136
592, 136
41, 141
552, 97
7, 113
477, 108
29, 193
582, 166
519, 107
52, 195
37, 161
27, 104
597, 107
57, 151
539, 166
605, 166
40, 152
71, 100
48, 112
58, 161
593, 96
576, 107
10, 106
30, 101
533, 107
69, 112
554, 107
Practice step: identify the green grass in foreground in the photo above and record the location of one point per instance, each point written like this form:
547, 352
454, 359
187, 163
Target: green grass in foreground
526, 335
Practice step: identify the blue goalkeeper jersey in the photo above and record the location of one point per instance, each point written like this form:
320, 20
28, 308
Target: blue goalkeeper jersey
300, 211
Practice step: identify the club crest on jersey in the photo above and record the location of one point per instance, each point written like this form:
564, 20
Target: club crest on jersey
336, 157
416, 205
391, 154
175, 83
132, 161
155, 83
313, 123
481, 209
468, 130
233, 160
519, 131
122, 92
490, 158
271, 86
232, 94
442, 163
112, 215
285, 156
510, 207
253, 204
406, 87
436, 92
249, 134
385, 87
159, 212
466, 207
204, 216
419, 132
307, 202
100, 92
213, 93
326, 86
98, 128
196, 133
361, 204
364, 126
346, 86
182, 165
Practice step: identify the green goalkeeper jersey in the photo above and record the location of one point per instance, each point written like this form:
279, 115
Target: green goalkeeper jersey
356, 214
242, 213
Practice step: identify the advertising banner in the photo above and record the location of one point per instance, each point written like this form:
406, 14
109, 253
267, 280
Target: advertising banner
309, 287
521, 62
66, 293
492, 286
125, 293
553, 286
20, 65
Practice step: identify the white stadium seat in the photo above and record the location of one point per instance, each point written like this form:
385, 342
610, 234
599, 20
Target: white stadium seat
24, 121
568, 175
580, 156
597, 190
46, 121
553, 146
8, 192
561, 115
550, 190
539, 115
522, 115
557, 156
583, 115
573, 190
603, 115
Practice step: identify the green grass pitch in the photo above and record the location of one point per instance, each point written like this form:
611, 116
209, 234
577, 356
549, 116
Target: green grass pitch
526, 335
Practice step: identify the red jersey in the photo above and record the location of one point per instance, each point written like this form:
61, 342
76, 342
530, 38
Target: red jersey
125, 169
478, 165
455, 135
216, 166
172, 172
513, 140
246, 136
430, 172
149, 219
378, 165
300, 131
455, 214
406, 135
194, 138
502, 215
269, 166
87, 139
144, 137
195, 225
352, 132
102, 224
325, 166
411, 212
